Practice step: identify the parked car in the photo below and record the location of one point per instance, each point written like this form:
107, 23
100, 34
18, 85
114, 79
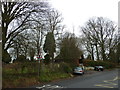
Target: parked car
78, 70
98, 68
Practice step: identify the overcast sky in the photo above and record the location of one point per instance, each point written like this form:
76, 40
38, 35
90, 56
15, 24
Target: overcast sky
77, 12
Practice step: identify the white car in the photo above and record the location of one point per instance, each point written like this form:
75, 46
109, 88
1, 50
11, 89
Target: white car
78, 70
98, 68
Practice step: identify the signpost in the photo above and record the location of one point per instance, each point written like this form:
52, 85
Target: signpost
39, 58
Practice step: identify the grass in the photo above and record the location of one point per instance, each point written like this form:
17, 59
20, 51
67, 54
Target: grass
26, 74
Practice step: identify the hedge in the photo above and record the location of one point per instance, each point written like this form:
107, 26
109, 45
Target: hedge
92, 63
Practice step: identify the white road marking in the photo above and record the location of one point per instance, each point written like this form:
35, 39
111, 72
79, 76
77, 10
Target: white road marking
49, 86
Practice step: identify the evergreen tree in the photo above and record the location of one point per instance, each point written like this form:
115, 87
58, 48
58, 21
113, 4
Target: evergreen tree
50, 46
69, 50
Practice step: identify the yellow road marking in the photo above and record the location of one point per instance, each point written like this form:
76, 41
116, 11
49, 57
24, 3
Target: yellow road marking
115, 78
104, 86
109, 83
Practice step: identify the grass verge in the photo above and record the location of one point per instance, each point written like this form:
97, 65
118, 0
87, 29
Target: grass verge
25, 75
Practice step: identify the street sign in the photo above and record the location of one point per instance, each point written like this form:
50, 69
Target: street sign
39, 57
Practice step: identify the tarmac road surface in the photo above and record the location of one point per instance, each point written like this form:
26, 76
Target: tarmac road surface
98, 79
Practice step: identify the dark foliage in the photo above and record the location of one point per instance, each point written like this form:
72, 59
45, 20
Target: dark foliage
49, 46
69, 50
21, 58
6, 58
47, 59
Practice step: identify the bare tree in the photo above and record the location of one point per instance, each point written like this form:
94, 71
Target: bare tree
87, 44
15, 19
38, 31
53, 24
21, 44
54, 20
38, 38
100, 32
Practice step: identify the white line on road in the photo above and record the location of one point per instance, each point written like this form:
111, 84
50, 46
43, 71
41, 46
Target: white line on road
49, 86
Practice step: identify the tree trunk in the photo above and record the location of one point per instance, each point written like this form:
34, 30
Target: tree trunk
103, 52
97, 52
92, 53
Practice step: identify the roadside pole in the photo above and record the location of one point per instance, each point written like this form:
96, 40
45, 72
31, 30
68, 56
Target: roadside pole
38, 67
39, 62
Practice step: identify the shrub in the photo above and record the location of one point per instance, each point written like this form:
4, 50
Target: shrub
21, 58
44, 77
6, 57
66, 68
47, 59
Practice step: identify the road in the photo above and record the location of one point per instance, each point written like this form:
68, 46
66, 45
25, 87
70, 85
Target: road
105, 79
